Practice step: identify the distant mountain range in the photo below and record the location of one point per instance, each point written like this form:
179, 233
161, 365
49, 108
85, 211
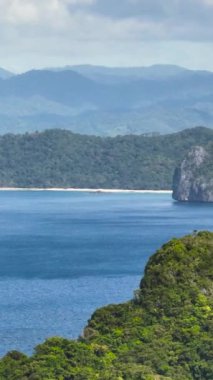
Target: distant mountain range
106, 101
114, 75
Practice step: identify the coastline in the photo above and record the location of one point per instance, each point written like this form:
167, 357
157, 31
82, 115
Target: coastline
71, 189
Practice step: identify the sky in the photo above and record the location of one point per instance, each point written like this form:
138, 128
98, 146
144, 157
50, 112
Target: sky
52, 33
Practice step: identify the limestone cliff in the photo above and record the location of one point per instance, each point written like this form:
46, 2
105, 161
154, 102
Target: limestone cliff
193, 179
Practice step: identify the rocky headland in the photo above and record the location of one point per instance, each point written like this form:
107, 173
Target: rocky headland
193, 179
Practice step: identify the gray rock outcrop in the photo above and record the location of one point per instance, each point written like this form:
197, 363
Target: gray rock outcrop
193, 179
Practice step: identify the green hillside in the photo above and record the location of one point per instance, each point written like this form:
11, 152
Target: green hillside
59, 158
165, 332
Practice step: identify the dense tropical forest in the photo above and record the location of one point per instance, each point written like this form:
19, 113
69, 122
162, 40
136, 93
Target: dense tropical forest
165, 332
59, 158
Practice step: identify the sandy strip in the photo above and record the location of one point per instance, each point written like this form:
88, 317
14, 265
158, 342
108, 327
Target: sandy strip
87, 190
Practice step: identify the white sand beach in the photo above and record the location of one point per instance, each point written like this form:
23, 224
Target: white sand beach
85, 190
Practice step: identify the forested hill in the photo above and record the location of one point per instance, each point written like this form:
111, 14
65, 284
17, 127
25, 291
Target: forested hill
59, 158
164, 333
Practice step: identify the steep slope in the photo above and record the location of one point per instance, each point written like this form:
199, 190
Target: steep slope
163, 333
66, 87
193, 179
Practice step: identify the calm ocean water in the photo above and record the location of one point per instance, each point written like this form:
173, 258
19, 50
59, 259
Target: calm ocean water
63, 254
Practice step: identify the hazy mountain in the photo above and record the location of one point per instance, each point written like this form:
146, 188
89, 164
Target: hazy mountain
64, 87
166, 99
114, 75
4, 74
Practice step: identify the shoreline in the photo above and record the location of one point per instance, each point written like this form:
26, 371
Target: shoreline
71, 189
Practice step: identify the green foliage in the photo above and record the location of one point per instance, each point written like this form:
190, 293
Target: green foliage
164, 333
58, 158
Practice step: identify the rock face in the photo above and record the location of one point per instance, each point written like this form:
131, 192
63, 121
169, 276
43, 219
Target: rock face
193, 179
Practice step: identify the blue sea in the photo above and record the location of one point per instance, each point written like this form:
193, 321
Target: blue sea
63, 254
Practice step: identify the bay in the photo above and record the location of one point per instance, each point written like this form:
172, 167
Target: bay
62, 255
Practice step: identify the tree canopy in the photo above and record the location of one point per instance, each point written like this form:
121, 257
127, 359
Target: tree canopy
165, 332
59, 158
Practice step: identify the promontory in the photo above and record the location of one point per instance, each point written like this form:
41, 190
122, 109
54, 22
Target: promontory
193, 178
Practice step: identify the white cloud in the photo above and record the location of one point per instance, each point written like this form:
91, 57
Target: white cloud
21, 11
208, 2
57, 32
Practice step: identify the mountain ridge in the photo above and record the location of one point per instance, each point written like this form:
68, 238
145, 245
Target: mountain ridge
83, 105
5, 74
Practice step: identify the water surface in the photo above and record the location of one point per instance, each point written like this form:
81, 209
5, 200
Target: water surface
64, 254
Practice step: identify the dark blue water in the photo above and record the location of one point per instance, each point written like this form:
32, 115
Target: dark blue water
63, 254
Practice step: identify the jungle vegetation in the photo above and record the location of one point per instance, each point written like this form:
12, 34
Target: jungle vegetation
165, 332
59, 158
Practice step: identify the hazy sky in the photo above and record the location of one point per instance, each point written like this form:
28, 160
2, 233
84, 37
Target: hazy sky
38, 33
